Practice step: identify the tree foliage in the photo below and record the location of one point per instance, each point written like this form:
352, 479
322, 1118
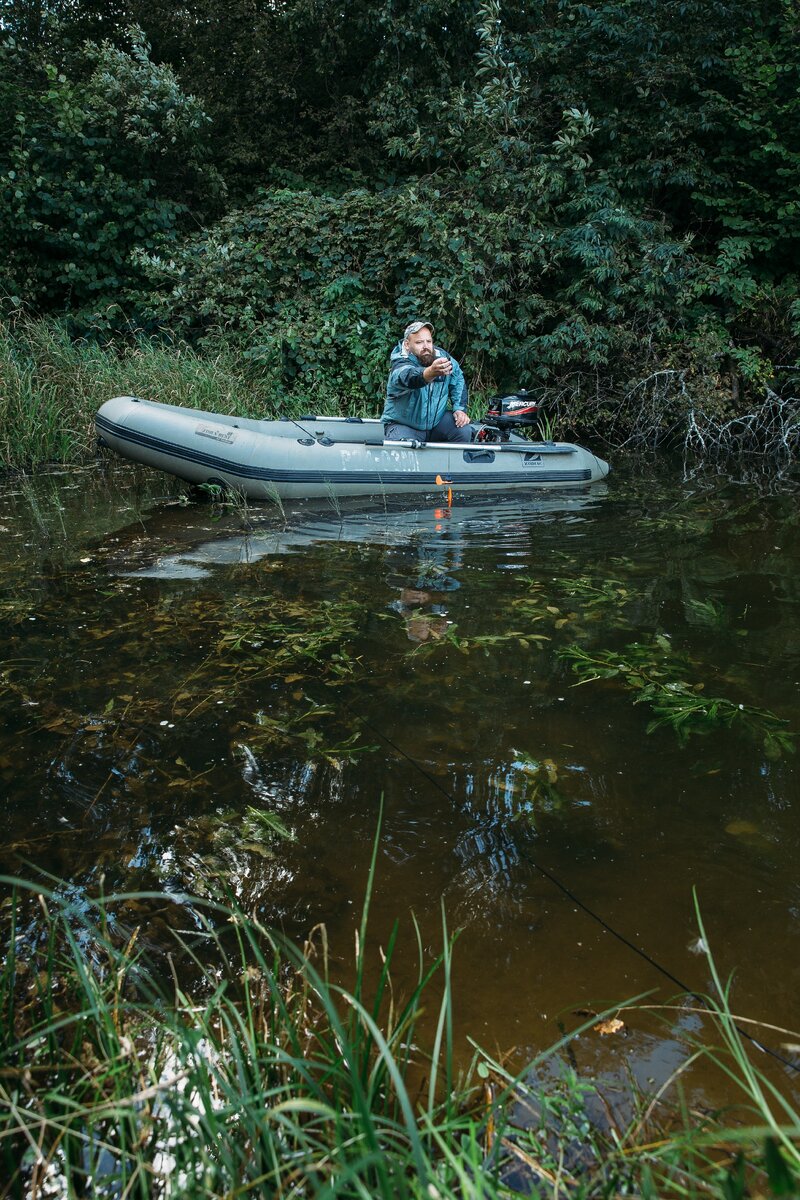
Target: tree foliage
525, 274
97, 164
601, 191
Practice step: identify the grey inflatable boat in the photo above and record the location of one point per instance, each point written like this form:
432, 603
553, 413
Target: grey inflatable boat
316, 456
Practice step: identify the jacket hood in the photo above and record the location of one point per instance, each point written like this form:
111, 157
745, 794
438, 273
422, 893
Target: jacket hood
399, 355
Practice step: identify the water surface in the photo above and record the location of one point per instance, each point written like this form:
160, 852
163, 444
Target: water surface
175, 676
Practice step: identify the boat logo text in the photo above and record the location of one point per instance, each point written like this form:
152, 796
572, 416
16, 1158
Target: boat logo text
218, 435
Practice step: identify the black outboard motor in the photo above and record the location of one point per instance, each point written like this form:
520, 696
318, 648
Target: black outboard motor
517, 411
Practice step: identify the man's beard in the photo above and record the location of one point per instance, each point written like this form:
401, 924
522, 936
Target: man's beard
426, 357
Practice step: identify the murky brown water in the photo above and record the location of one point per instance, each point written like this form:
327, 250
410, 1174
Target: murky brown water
169, 678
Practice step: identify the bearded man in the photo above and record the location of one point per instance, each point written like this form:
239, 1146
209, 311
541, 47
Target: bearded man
426, 395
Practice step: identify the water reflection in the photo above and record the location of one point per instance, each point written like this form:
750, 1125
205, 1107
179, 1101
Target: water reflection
173, 681
174, 542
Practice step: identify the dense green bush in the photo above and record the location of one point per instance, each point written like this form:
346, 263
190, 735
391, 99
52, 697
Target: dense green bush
526, 274
599, 200
97, 164
553, 247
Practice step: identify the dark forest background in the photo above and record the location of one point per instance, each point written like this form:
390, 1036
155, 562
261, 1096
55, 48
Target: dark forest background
597, 200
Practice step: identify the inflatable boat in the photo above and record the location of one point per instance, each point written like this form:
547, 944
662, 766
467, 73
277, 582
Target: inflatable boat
343, 456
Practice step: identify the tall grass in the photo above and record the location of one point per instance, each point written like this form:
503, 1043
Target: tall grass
264, 1078
267, 1079
51, 386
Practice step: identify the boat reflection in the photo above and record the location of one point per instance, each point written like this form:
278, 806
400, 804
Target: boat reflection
176, 542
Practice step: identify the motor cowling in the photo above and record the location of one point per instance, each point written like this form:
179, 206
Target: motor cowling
517, 410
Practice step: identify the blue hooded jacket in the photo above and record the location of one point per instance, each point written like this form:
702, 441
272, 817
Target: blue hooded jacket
411, 401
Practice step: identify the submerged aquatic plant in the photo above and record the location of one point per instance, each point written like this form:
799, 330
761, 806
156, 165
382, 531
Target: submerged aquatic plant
264, 652
229, 498
534, 782
657, 676
709, 613
297, 634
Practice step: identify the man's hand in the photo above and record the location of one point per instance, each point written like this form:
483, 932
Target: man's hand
460, 417
437, 369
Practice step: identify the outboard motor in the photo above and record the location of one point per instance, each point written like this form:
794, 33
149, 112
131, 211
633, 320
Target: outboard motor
517, 411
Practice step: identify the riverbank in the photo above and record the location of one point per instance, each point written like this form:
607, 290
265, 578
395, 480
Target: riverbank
53, 384
223, 1060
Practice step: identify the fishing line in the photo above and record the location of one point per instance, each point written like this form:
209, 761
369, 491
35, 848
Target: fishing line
566, 891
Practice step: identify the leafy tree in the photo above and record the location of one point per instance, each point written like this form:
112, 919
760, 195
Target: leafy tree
750, 195
94, 172
284, 84
526, 274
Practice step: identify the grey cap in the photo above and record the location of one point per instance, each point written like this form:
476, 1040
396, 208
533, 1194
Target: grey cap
415, 327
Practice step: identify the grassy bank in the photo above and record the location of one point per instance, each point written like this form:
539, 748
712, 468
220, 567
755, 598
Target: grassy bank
51, 387
263, 1078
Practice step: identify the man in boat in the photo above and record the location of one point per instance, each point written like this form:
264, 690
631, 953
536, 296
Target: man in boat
426, 395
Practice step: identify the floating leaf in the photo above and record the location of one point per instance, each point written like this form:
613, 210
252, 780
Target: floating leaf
612, 1025
263, 823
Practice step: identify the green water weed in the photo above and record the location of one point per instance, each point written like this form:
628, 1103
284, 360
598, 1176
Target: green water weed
265, 824
539, 780
708, 613
658, 676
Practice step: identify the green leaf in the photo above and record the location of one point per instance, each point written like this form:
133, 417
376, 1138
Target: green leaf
265, 823
781, 1179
